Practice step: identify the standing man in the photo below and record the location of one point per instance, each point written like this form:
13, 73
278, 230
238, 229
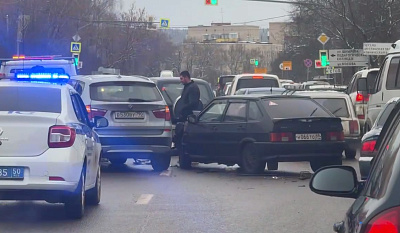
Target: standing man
190, 97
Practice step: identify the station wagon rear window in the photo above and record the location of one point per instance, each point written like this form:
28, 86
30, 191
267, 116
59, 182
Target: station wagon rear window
28, 99
250, 82
293, 108
124, 92
337, 107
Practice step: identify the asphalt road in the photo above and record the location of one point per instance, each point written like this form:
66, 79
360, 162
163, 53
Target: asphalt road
208, 198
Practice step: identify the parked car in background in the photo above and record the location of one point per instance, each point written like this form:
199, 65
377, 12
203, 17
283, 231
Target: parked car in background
340, 105
171, 89
253, 131
253, 81
261, 90
368, 141
227, 88
221, 84
376, 206
139, 118
360, 98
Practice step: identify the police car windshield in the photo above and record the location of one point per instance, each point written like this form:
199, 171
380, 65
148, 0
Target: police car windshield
27, 99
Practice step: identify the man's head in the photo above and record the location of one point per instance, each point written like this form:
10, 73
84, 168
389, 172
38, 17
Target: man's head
185, 77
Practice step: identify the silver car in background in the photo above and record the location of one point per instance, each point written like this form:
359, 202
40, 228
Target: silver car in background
139, 118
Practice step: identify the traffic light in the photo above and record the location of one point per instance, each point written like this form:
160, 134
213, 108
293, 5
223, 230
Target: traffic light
212, 2
76, 58
318, 64
256, 62
323, 56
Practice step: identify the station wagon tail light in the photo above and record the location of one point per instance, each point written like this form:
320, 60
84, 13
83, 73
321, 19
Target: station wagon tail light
335, 136
354, 129
368, 146
388, 222
163, 113
93, 112
61, 136
258, 77
281, 137
362, 117
361, 97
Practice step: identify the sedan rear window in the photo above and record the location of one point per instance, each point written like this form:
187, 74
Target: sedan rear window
293, 108
29, 99
337, 107
249, 82
124, 92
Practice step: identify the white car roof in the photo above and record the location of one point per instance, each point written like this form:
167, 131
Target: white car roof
364, 73
107, 78
323, 94
36, 62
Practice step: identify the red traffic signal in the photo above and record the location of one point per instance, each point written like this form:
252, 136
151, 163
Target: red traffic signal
211, 2
318, 64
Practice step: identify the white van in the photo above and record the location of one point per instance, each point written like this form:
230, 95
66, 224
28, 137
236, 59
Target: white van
253, 81
387, 85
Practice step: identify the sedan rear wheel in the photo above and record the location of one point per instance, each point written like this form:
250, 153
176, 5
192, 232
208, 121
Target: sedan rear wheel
160, 162
272, 166
75, 203
94, 195
250, 160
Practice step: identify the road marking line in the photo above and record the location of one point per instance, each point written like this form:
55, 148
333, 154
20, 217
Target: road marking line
166, 173
144, 199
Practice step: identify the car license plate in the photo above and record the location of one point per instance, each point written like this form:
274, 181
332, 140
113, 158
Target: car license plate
129, 115
309, 137
12, 173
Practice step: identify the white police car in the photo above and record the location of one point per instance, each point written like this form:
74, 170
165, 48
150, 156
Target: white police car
48, 149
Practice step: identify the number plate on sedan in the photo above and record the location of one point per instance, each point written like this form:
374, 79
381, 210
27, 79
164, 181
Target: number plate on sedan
11, 173
309, 137
129, 115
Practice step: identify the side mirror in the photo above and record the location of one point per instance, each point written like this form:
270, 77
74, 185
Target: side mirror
337, 181
362, 85
192, 119
100, 122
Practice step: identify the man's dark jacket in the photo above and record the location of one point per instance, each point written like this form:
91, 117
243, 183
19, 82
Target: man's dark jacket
190, 98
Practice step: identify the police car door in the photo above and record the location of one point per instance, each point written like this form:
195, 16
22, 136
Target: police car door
87, 137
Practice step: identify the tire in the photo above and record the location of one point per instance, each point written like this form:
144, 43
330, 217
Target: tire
94, 195
118, 161
160, 162
184, 160
350, 154
320, 163
75, 203
250, 161
272, 166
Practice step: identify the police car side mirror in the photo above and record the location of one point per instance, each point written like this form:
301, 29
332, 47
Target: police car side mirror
100, 122
192, 119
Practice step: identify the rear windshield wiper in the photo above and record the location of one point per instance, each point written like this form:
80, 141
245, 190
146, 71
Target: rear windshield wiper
137, 100
337, 110
314, 111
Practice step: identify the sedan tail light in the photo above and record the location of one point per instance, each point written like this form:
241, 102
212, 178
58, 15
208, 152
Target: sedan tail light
388, 221
368, 146
335, 136
362, 117
354, 127
281, 137
93, 112
163, 113
61, 136
362, 98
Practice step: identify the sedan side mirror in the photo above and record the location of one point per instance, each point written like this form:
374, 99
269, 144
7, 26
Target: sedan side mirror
337, 181
192, 119
100, 122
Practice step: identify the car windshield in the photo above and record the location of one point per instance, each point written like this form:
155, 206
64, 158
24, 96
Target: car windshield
337, 107
124, 92
293, 108
384, 114
27, 99
250, 82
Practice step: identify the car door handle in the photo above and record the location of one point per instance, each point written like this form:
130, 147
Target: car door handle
378, 106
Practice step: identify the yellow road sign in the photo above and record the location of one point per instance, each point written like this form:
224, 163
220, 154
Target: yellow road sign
287, 65
260, 70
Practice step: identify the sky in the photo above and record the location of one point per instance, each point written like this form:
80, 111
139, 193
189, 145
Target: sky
195, 12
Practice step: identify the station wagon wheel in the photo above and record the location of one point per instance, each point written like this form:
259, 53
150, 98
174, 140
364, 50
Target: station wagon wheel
250, 160
350, 153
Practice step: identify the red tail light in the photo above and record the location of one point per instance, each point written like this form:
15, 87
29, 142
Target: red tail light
61, 136
361, 97
163, 113
93, 112
281, 137
2, 75
362, 117
354, 127
368, 146
335, 136
387, 221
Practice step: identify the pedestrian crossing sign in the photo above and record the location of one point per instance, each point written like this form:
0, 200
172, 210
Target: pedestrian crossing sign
76, 47
164, 23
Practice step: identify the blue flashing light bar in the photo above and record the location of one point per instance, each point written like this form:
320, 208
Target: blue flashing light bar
50, 77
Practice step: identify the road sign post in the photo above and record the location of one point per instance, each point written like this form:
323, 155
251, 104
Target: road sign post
323, 38
287, 65
76, 47
347, 58
164, 23
376, 49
